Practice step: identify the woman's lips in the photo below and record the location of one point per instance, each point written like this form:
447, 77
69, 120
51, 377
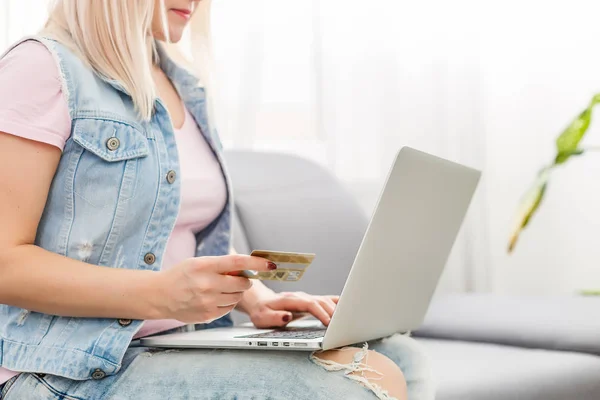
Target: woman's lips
185, 14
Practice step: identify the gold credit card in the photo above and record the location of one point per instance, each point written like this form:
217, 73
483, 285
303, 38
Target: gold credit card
290, 266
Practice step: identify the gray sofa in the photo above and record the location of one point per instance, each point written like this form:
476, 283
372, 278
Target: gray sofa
483, 346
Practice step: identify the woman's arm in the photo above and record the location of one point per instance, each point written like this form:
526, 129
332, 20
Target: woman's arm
38, 280
195, 290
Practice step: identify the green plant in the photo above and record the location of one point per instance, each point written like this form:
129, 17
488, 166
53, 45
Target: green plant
567, 146
590, 293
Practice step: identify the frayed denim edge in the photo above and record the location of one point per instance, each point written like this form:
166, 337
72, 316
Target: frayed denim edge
357, 366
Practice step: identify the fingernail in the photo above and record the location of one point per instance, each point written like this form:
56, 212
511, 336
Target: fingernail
286, 318
271, 265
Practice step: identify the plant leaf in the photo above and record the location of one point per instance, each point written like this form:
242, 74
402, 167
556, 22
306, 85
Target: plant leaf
590, 292
568, 141
562, 157
529, 205
567, 145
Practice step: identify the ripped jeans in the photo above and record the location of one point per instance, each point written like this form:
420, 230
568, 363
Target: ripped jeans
231, 374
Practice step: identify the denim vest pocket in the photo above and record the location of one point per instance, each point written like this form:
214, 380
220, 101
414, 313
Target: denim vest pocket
110, 140
109, 160
106, 167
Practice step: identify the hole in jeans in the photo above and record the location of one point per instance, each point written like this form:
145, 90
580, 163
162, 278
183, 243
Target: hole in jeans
356, 370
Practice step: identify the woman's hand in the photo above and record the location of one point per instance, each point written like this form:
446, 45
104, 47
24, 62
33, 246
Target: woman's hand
277, 309
199, 289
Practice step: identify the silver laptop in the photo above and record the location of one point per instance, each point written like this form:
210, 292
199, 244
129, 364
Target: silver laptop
395, 272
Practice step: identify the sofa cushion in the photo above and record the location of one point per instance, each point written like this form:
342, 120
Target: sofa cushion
569, 323
479, 371
286, 203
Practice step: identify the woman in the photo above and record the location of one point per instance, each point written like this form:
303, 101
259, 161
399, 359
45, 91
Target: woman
116, 212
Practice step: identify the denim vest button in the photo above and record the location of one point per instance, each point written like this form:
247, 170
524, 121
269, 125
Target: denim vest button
149, 258
98, 374
113, 143
171, 176
125, 322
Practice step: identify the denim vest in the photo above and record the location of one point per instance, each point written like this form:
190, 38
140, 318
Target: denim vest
113, 202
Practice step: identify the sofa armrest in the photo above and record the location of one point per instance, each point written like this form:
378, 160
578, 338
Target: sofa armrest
566, 323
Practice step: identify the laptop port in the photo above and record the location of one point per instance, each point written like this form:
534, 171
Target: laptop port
301, 344
286, 344
263, 344
274, 344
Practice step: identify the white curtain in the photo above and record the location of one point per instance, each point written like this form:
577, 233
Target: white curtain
346, 83
489, 84
19, 18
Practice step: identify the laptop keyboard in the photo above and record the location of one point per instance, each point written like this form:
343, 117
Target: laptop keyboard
290, 334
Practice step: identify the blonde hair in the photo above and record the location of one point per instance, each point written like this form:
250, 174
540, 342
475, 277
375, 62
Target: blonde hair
114, 37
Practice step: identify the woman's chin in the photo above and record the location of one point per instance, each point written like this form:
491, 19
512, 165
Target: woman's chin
175, 34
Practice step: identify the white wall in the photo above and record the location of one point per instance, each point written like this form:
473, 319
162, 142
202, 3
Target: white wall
541, 64
376, 76
19, 18
490, 84
537, 65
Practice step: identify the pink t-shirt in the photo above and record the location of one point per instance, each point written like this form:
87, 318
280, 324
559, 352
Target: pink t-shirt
32, 106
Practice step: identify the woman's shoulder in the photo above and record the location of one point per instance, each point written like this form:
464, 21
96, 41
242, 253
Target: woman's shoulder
30, 56
29, 66
32, 104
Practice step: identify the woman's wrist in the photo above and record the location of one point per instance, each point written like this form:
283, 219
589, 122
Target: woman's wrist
257, 293
151, 293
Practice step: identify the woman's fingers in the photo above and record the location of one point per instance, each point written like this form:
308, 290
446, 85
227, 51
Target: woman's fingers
232, 284
327, 304
326, 301
229, 299
270, 318
302, 304
234, 263
224, 311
